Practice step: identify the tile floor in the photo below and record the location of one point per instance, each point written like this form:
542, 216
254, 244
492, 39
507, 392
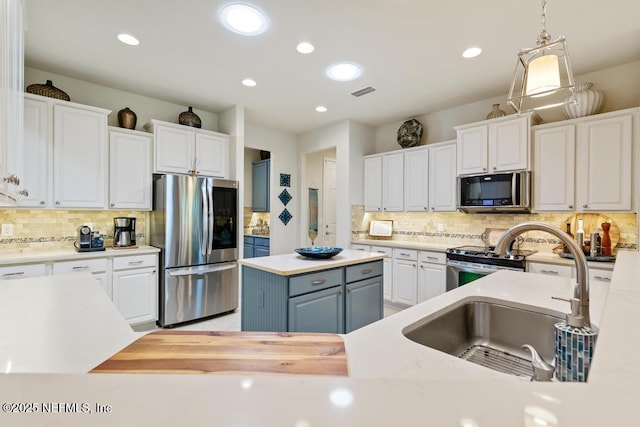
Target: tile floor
231, 322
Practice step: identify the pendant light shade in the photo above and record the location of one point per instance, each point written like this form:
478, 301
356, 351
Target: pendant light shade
542, 71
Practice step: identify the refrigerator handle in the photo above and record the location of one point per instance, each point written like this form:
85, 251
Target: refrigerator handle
211, 216
204, 232
202, 271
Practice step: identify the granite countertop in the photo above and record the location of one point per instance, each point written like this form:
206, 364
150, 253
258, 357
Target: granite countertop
69, 253
393, 381
289, 264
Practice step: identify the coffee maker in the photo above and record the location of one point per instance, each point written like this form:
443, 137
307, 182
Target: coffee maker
124, 234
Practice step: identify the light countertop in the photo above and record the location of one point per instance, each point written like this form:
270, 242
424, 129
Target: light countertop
289, 264
68, 253
393, 381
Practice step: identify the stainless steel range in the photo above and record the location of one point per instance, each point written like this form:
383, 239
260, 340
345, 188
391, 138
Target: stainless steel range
468, 263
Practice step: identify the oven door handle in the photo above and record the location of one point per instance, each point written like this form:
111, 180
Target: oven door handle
514, 180
468, 269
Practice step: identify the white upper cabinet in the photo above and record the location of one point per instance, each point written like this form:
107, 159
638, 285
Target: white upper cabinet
373, 184
185, 150
129, 169
442, 177
416, 188
384, 182
79, 156
604, 161
494, 145
37, 151
11, 84
554, 169
585, 164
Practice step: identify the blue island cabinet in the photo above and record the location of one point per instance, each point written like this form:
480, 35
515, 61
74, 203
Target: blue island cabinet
337, 300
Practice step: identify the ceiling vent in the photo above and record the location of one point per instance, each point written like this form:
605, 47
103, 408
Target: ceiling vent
363, 91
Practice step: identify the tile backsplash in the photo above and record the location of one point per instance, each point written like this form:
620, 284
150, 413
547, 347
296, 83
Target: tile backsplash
456, 228
50, 229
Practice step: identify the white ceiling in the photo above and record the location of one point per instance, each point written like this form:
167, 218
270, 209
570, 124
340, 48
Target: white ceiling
410, 51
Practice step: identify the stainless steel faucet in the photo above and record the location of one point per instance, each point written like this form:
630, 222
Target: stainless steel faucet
579, 316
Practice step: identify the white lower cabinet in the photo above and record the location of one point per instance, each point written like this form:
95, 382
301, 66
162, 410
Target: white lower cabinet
432, 279
598, 275
98, 267
135, 288
22, 271
405, 276
550, 269
387, 271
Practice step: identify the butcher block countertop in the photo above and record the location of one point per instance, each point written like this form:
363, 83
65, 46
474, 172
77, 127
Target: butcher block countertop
199, 352
290, 264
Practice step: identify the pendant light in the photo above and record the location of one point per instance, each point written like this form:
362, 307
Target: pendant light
542, 77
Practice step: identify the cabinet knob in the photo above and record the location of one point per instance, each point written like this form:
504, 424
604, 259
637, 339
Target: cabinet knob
349, 289
433, 209
384, 209
113, 204
42, 202
12, 179
484, 169
495, 167
570, 206
58, 202
585, 206
426, 208
24, 192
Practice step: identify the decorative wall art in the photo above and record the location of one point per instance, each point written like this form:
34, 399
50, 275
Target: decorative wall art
285, 216
285, 180
285, 197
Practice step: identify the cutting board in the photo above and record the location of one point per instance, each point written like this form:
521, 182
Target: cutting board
200, 352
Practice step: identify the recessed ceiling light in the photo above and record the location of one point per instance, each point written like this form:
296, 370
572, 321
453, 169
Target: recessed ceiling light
305, 47
472, 52
321, 109
249, 82
344, 71
243, 19
128, 39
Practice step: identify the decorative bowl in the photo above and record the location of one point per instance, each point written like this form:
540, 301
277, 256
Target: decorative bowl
319, 252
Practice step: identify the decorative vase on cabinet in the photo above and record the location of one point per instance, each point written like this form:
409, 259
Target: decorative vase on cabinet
189, 118
588, 100
127, 118
496, 112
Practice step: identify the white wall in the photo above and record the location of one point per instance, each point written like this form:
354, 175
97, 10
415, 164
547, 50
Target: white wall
620, 85
284, 159
351, 140
145, 107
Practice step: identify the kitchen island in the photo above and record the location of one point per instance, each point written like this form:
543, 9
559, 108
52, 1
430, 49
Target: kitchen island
292, 293
393, 381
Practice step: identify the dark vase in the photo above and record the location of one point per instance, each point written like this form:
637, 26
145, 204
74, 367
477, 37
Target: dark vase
189, 118
49, 90
127, 118
264, 155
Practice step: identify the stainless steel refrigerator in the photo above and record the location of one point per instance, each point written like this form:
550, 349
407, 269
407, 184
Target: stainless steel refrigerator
194, 223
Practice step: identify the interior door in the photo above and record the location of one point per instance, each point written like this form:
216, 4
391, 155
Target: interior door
329, 201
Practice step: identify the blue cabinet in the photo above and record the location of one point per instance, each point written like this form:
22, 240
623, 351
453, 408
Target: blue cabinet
337, 300
260, 186
256, 246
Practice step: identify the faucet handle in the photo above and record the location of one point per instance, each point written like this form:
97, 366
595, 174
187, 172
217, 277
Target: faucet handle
575, 318
542, 371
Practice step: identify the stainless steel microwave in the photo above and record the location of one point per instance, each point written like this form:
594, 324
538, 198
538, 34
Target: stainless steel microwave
495, 193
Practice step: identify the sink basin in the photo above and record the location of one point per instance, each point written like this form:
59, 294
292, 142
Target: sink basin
489, 334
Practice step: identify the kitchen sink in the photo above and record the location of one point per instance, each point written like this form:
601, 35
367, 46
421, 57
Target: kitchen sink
490, 334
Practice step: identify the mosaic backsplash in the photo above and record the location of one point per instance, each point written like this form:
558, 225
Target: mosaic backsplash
466, 229
39, 229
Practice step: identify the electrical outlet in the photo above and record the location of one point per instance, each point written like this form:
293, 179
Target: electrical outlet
7, 230
440, 227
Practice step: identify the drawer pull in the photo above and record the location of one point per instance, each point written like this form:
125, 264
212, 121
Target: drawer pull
432, 258
17, 273
381, 252
80, 267
136, 262
360, 249
604, 279
552, 272
348, 289
318, 282
404, 254
367, 271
